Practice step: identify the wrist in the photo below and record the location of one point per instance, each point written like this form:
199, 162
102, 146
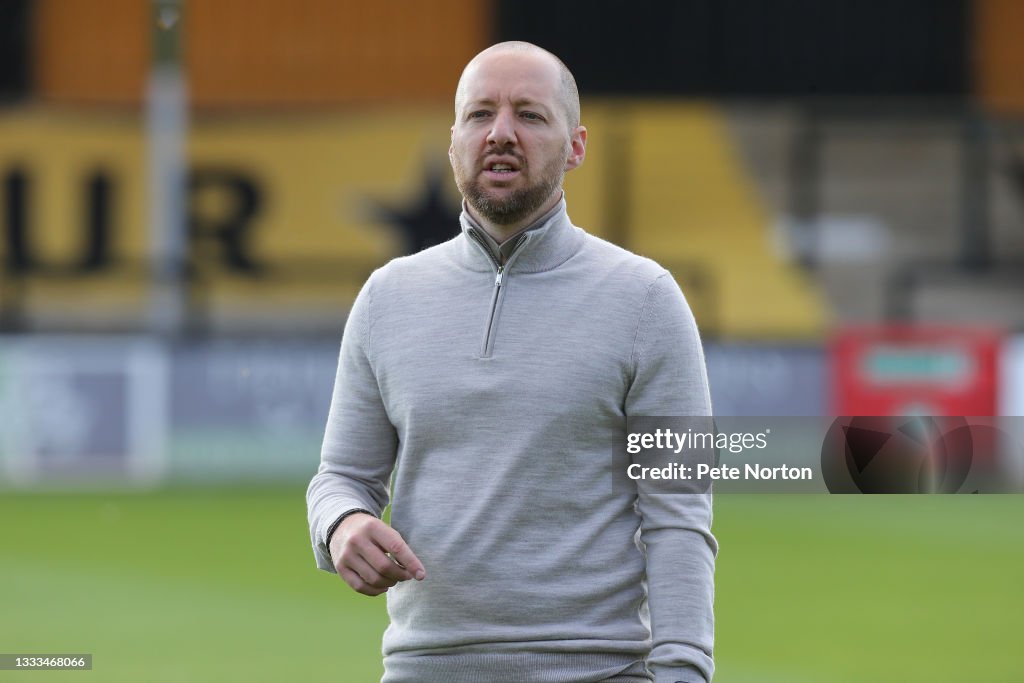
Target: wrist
337, 523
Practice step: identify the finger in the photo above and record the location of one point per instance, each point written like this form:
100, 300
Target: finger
357, 584
374, 555
370, 575
391, 542
387, 566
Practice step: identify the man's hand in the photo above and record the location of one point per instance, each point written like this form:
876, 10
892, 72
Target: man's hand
371, 556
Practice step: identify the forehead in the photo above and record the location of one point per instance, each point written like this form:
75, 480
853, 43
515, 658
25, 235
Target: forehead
511, 75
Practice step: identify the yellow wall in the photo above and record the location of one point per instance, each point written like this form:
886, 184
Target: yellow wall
660, 178
242, 52
91, 52
999, 54
317, 176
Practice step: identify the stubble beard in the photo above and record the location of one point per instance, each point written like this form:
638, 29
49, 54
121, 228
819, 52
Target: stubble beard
519, 204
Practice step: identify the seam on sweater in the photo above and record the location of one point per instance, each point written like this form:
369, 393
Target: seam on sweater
637, 341
369, 322
573, 251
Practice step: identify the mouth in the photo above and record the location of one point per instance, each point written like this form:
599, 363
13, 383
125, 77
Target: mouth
503, 169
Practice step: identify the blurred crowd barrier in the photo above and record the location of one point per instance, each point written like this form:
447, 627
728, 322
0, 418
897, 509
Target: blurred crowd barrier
102, 411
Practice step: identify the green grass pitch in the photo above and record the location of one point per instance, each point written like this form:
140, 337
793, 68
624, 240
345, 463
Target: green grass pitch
219, 585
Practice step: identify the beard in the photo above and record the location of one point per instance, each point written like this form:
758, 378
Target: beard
519, 204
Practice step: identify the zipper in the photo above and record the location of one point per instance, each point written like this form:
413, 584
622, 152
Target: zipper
485, 352
492, 322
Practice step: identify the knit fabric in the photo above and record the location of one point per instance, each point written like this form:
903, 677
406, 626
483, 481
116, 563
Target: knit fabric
492, 395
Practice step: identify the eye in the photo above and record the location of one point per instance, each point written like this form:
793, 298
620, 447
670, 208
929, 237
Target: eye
478, 114
532, 116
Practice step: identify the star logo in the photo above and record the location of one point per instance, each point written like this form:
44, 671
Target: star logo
430, 220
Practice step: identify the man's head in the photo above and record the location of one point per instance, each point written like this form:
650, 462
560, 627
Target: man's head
516, 133
568, 95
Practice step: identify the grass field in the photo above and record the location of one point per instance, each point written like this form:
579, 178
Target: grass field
219, 585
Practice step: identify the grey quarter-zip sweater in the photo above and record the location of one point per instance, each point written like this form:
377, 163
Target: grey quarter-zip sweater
485, 396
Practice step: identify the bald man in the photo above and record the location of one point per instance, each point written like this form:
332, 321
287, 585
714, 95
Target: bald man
484, 378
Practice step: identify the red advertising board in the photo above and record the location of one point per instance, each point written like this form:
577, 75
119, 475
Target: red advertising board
915, 370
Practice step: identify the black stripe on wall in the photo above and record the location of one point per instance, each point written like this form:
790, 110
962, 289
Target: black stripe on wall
14, 43
751, 47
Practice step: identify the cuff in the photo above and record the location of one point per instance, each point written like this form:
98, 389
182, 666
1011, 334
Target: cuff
321, 544
678, 674
336, 523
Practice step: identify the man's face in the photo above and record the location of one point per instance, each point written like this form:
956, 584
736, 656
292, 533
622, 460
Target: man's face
511, 142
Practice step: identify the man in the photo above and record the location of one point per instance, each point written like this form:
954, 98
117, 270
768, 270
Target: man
488, 374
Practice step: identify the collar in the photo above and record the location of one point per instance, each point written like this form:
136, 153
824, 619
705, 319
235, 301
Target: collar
545, 244
503, 251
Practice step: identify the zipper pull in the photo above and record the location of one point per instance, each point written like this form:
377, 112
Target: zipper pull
497, 279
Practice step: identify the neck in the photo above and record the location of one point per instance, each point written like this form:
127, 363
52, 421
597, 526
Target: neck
502, 232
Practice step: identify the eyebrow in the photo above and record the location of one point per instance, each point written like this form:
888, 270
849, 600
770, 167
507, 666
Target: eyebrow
522, 101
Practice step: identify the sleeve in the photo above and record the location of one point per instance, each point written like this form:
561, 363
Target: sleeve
670, 380
360, 442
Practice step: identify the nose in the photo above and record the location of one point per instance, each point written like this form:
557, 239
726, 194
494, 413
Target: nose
503, 130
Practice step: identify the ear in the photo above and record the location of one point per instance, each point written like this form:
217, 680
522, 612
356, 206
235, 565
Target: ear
578, 142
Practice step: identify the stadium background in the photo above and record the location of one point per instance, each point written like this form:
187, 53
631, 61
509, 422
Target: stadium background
839, 188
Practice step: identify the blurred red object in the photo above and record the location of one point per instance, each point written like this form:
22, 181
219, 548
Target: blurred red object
915, 370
